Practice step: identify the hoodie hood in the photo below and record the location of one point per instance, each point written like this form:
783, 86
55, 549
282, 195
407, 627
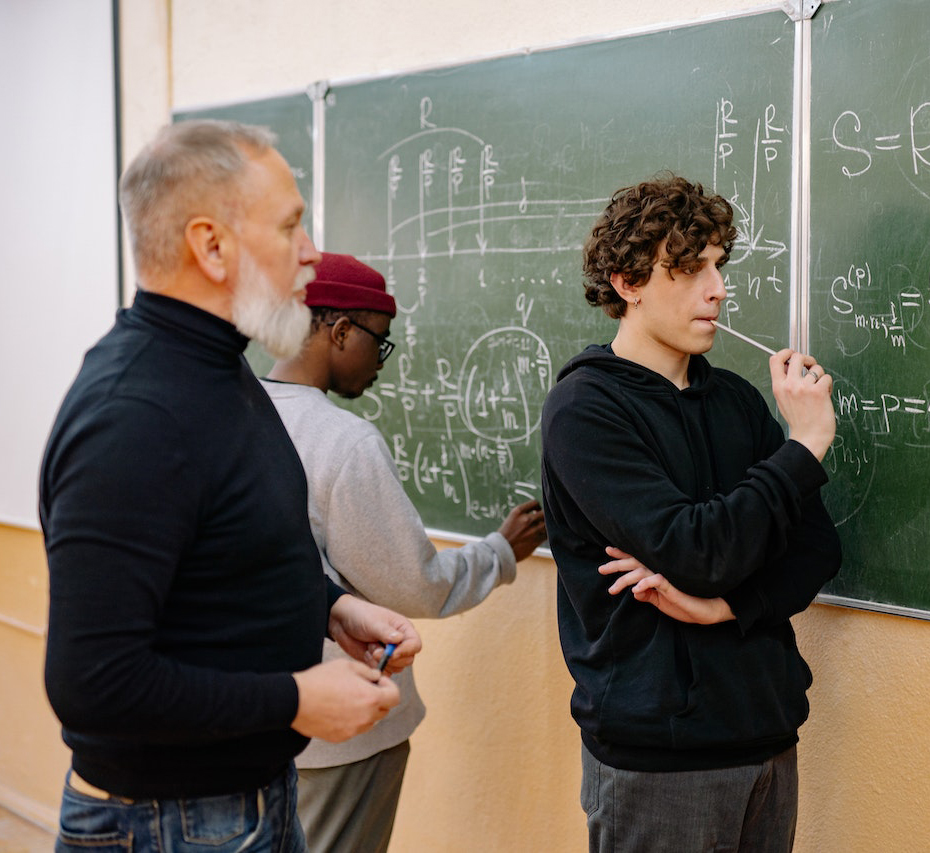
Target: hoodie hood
672, 410
635, 376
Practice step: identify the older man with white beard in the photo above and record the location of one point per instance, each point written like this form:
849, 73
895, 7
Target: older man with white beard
187, 601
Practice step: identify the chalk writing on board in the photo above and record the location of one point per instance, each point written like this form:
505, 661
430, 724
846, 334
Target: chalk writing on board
863, 146
870, 313
869, 290
875, 312
445, 195
465, 423
876, 308
488, 402
437, 224
451, 193
500, 218
768, 134
870, 422
852, 458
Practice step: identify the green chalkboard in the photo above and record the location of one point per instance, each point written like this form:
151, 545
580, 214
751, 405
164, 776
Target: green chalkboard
472, 188
291, 118
869, 271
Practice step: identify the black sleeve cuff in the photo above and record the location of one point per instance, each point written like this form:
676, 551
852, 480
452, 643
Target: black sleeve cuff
805, 468
747, 604
333, 591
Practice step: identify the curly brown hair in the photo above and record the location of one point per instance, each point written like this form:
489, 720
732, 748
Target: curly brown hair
627, 236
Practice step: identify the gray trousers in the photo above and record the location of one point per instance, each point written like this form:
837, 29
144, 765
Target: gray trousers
752, 809
350, 808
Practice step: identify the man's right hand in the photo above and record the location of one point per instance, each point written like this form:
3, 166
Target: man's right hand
803, 391
524, 528
341, 698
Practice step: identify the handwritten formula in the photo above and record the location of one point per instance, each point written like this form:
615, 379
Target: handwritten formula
473, 189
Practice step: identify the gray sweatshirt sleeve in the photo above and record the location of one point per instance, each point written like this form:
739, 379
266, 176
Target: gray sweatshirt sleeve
375, 540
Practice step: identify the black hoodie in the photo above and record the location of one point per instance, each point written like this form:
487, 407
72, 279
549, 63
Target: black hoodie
700, 485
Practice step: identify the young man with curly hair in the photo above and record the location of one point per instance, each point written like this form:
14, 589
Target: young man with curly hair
689, 685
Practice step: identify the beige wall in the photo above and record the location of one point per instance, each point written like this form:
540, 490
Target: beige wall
864, 752
495, 765
33, 759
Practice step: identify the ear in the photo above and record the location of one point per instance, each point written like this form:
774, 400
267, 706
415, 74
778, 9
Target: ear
626, 292
339, 331
210, 243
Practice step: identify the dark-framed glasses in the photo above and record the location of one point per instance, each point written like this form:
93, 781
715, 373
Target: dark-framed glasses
385, 347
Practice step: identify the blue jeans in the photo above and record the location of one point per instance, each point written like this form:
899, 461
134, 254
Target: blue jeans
750, 809
261, 821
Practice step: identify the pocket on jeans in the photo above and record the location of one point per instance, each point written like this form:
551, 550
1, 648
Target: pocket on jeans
214, 821
87, 823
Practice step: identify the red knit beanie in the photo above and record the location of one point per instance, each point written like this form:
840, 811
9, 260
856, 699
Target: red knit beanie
345, 282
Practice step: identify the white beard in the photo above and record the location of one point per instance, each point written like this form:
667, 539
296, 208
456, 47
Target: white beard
279, 325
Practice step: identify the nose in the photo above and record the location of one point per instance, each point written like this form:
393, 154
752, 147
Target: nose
309, 254
717, 290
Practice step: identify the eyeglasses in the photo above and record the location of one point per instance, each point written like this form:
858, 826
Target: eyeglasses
385, 347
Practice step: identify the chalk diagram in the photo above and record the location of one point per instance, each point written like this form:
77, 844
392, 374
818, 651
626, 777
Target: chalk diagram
462, 415
448, 196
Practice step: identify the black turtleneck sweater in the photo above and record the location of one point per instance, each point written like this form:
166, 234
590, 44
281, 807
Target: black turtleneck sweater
699, 485
185, 585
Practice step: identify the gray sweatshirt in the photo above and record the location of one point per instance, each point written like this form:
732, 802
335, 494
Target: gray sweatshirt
373, 543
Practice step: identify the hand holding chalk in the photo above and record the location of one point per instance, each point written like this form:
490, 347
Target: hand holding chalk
803, 400
804, 393
388, 651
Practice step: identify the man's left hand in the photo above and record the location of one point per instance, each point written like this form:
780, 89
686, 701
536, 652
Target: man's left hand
363, 629
654, 589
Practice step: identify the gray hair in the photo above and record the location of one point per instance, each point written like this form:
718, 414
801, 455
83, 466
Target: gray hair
192, 168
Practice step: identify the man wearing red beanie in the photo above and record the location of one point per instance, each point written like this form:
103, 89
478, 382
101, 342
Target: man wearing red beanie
347, 793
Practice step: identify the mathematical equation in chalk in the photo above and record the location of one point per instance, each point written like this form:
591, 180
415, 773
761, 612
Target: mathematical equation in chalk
496, 393
863, 146
450, 469
769, 138
448, 193
879, 413
886, 312
464, 210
